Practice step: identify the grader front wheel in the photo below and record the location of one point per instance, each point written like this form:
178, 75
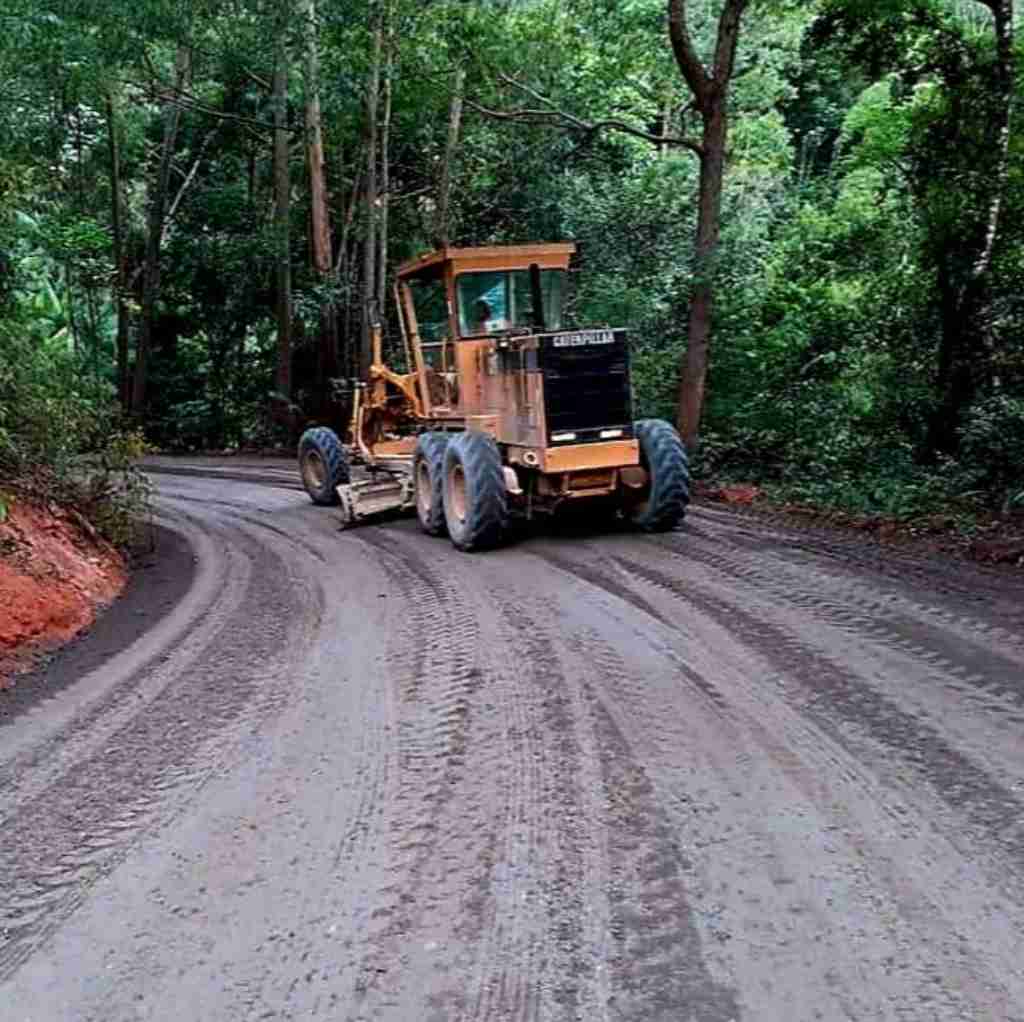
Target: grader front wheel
323, 465
662, 504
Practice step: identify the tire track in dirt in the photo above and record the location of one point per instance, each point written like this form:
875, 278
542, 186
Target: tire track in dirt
498, 914
896, 621
61, 840
602, 580
557, 965
835, 697
659, 964
435, 673
236, 512
621, 938
933, 672
507, 908
276, 477
656, 955
616, 585
774, 747
996, 598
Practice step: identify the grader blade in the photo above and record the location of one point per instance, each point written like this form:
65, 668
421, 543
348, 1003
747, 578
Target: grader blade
367, 498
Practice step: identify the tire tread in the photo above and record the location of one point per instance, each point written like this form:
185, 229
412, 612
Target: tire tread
665, 458
431, 447
487, 514
326, 443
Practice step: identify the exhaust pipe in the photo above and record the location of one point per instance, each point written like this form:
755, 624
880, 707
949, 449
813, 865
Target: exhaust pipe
537, 294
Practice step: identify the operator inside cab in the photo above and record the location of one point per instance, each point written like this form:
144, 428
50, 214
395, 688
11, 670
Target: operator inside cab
483, 321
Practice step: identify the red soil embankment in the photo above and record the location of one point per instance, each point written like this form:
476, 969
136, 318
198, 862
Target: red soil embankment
55, 573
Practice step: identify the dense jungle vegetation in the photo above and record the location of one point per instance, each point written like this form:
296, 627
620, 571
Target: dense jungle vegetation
201, 204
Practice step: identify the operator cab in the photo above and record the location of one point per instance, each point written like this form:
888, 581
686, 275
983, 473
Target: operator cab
469, 293
453, 300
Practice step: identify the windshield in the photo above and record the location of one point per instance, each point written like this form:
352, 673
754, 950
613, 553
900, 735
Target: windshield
492, 302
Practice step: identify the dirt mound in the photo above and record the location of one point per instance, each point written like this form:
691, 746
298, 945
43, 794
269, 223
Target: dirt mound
55, 573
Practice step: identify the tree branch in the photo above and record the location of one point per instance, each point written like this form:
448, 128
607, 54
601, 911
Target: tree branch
189, 177
256, 79
553, 115
686, 143
1002, 12
158, 89
188, 102
415, 193
559, 118
728, 36
516, 84
690, 64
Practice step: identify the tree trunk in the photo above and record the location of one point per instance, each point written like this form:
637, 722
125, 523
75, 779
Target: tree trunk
385, 175
949, 383
69, 299
345, 271
320, 215
711, 98
963, 363
442, 222
120, 266
370, 239
282, 212
965, 358
666, 125
154, 231
693, 381
315, 145
1002, 11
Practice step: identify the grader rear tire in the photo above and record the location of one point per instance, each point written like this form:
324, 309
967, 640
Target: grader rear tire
323, 465
475, 498
663, 503
428, 474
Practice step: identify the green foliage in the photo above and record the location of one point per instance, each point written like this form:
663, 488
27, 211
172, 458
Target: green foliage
61, 435
858, 186
111, 490
992, 451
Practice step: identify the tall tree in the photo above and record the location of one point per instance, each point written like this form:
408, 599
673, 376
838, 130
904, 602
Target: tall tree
385, 161
442, 226
282, 205
950, 75
120, 259
371, 145
320, 213
964, 361
710, 88
159, 189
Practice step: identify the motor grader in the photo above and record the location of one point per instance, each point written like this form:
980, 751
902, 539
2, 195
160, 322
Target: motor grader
501, 412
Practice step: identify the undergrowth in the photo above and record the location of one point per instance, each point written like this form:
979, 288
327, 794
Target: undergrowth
63, 439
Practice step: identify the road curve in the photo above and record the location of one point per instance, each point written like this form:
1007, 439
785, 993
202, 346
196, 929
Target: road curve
735, 772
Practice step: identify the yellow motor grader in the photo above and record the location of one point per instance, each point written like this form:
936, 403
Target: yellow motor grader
501, 412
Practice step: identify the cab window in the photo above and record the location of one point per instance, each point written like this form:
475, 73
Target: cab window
490, 303
431, 305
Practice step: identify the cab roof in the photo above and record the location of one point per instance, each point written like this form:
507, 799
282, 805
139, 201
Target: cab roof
496, 257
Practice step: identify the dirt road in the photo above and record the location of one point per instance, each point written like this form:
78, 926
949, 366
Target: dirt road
735, 772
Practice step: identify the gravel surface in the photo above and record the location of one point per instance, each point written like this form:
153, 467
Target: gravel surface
740, 771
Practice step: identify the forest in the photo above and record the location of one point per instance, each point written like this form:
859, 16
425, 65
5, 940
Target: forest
808, 213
